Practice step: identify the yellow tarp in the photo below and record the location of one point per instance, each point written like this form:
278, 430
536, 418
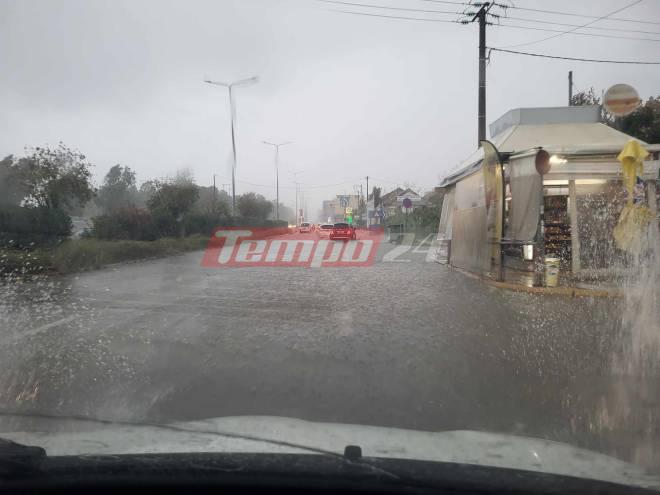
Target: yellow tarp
634, 219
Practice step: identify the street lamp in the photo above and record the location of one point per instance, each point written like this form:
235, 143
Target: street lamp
229, 86
277, 174
295, 181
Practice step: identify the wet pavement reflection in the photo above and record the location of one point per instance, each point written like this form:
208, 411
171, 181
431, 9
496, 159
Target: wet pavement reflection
411, 345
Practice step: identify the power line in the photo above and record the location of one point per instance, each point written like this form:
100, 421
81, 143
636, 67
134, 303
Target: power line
393, 16
572, 14
562, 33
576, 25
449, 2
506, 17
593, 35
601, 61
390, 8
513, 26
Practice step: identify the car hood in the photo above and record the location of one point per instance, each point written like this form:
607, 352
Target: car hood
288, 435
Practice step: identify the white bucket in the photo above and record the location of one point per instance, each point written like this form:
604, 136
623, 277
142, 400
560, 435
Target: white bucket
551, 272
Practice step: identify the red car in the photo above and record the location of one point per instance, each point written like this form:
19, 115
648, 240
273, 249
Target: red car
343, 231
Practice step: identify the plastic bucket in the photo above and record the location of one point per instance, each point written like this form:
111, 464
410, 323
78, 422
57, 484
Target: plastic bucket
551, 272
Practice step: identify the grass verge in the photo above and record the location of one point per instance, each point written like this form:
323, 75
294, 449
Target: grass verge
90, 254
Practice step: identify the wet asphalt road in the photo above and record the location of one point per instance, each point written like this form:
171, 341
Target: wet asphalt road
410, 344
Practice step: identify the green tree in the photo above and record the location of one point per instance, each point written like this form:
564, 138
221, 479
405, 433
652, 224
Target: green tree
587, 97
213, 201
254, 206
12, 182
286, 214
147, 189
170, 203
57, 178
376, 196
644, 123
118, 189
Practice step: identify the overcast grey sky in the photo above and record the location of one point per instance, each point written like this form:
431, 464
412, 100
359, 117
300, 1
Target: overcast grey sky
392, 99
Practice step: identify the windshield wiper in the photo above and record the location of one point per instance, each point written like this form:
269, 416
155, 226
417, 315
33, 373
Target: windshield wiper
16, 458
352, 455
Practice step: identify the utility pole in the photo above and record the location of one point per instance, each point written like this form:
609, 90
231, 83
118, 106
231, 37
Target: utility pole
366, 206
297, 212
297, 184
481, 16
570, 88
277, 174
214, 194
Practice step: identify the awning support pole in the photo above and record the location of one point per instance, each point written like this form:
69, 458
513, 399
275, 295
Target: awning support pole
575, 238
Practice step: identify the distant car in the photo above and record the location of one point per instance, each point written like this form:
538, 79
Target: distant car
324, 230
306, 228
343, 231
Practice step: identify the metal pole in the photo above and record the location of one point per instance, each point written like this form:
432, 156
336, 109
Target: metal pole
232, 109
570, 88
277, 182
296, 203
482, 74
233, 150
214, 195
366, 206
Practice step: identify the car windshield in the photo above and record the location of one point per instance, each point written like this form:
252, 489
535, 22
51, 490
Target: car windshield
420, 227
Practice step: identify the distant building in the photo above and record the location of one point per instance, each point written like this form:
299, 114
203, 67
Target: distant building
328, 210
335, 209
392, 202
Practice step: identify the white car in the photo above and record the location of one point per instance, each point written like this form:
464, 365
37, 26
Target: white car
324, 230
306, 228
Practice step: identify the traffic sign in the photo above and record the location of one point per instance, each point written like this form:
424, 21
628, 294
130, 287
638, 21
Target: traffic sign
407, 203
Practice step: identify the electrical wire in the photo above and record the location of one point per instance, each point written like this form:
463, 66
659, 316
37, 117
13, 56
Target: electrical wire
572, 14
513, 26
390, 8
449, 2
393, 16
316, 186
593, 35
507, 17
575, 25
575, 28
577, 59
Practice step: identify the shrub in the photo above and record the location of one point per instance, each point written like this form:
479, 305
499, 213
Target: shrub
89, 254
130, 223
18, 262
27, 228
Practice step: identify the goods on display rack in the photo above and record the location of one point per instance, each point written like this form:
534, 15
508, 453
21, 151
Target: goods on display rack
557, 228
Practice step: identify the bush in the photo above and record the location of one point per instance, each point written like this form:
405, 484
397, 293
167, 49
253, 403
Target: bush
130, 223
204, 223
89, 254
17, 262
27, 228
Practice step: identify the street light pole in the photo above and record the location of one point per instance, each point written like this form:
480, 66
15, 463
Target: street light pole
232, 111
298, 184
277, 174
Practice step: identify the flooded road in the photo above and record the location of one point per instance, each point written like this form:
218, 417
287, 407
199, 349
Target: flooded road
412, 345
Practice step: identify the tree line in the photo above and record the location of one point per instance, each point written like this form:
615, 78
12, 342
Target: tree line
643, 123
42, 190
